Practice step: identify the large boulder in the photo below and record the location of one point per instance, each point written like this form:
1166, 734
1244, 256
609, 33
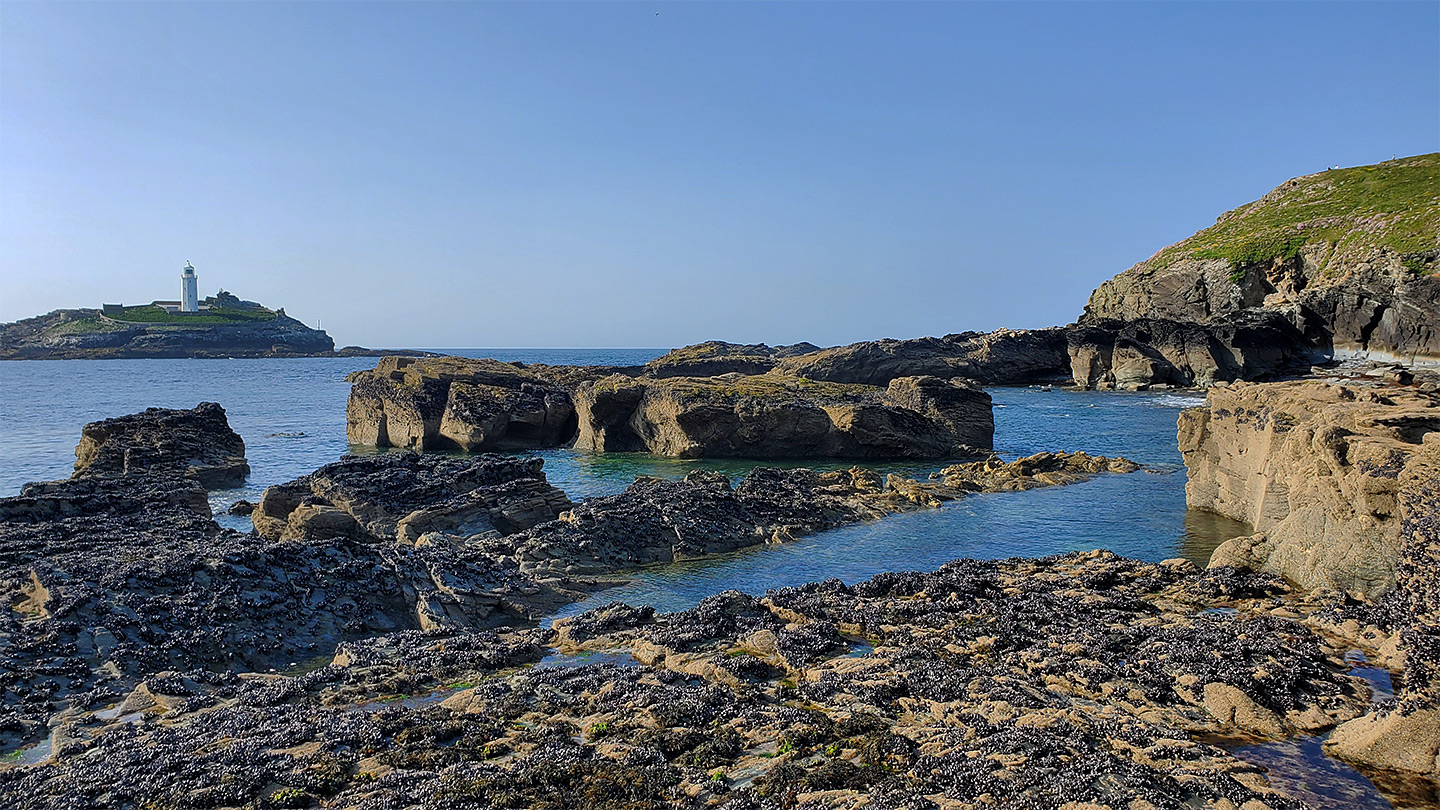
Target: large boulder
196, 444
774, 416
399, 497
456, 403
1355, 251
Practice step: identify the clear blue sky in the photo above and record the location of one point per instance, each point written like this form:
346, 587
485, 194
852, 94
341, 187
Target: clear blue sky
555, 174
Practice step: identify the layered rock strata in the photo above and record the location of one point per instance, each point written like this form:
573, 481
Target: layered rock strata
1002, 357
1340, 483
196, 444
1077, 681
774, 416
456, 403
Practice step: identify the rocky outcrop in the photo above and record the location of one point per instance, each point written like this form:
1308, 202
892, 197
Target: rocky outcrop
196, 444
87, 334
1077, 681
1319, 470
773, 416
1354, 251
1005, 356
1146, 352
399, 497
456, 403
715, 357
1340, 483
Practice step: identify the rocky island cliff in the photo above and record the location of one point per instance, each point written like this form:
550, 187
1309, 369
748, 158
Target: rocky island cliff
227, 327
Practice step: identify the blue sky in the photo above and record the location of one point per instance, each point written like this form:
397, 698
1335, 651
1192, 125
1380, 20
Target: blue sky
448, 174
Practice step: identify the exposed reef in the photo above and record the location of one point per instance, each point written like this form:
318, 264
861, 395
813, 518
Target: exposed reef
197, 444
456, 403
1079, 681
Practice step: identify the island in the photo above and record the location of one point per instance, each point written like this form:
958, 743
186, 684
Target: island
222, 325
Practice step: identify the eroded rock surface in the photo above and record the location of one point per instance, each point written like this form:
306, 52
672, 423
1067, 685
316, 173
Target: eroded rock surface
401, 496
1084, 679
775, 416
1143, 353
1321, 471
456, 403
196, 444
1005, 356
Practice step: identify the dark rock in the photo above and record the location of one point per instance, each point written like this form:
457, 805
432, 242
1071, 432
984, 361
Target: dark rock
196, 444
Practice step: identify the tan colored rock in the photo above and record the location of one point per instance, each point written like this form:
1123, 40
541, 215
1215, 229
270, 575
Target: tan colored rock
776, 416
1233, 707
456, 403
1318, 470
1407, 742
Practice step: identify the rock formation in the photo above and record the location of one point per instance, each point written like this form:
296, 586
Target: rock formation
1146, 352
1353, 252
715, 357
1342, 485
1078, 681
398, 497
773, 416
456, 403
1002, 357
197, 444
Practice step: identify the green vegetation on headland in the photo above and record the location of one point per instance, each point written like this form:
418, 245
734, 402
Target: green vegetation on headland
1393, 206
150, 313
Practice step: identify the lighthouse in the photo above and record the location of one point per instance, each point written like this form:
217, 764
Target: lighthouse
189, 295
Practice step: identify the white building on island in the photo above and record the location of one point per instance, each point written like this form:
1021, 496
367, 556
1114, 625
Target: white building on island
189, 290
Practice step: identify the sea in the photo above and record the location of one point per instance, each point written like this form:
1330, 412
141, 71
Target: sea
291, 414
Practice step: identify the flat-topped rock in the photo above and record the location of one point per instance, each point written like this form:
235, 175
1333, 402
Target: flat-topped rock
715, 357
456, 403
775, 416
400, 496
196, 443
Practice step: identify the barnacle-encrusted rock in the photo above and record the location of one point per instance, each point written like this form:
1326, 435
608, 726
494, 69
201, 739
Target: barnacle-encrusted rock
1085, 680
197, 444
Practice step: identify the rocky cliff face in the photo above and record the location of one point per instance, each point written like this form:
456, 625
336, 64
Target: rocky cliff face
86, 334
1353, 252
1146, 352
456, 403
774, 416
1340, 483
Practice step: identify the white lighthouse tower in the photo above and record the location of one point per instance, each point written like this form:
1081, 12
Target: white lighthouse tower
189, 294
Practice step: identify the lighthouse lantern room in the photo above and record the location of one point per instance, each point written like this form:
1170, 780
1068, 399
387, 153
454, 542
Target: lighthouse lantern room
189, 290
